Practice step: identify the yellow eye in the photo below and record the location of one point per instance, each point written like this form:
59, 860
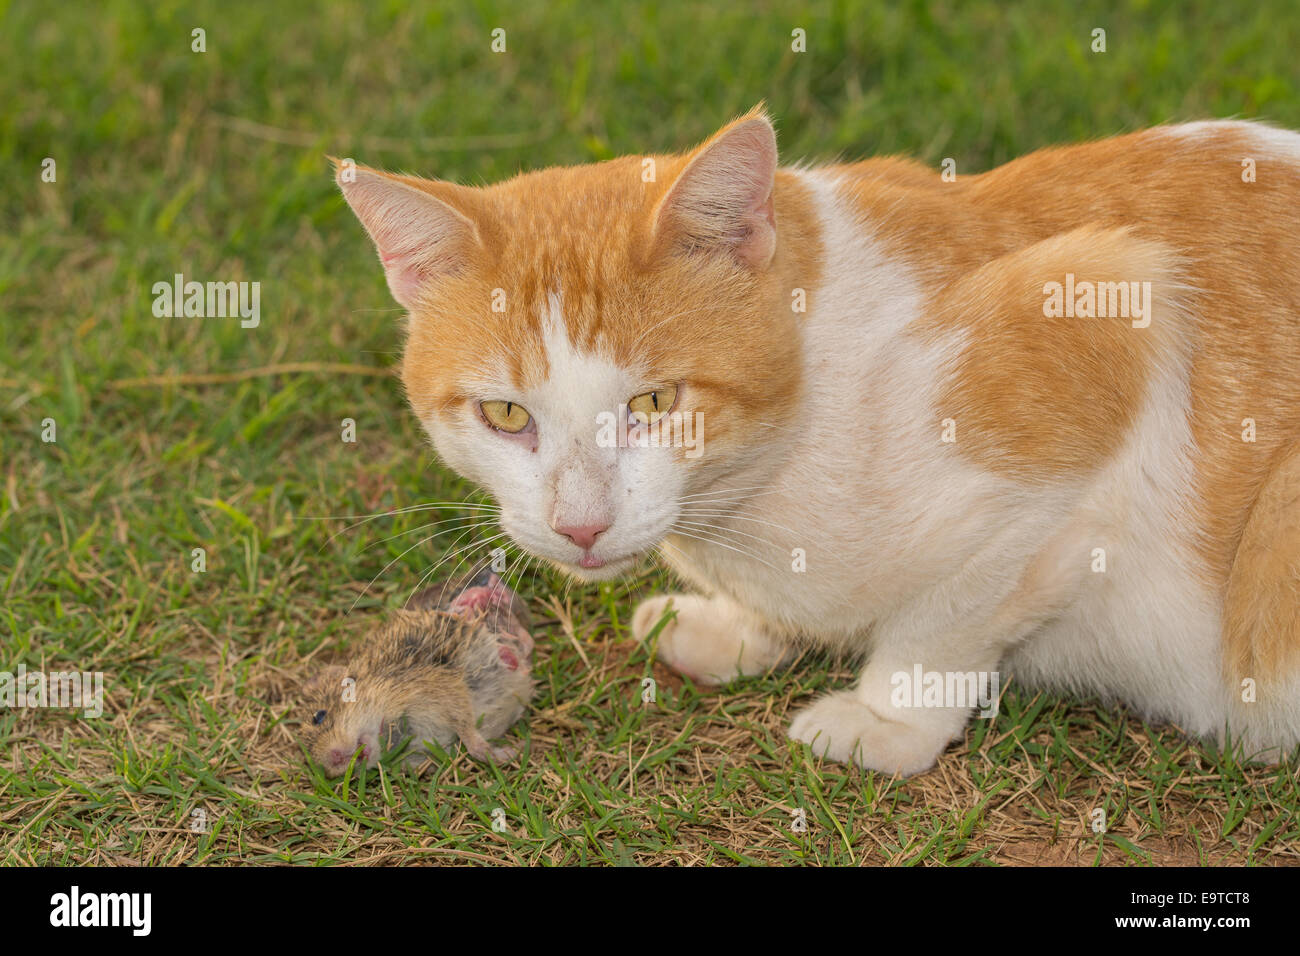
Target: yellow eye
507, 416
652, 406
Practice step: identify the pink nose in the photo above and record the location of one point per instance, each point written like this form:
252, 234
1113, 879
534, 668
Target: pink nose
584, 536
340, 757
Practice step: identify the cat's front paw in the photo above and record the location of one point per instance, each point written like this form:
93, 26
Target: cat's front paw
841, 727
708, 641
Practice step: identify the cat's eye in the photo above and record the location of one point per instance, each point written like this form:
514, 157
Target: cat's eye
318, 717
505, 416
648, 407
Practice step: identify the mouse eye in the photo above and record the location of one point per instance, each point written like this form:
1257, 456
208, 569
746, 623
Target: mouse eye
319, 717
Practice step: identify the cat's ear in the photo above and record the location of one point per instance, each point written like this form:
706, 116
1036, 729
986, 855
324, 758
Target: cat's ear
722, 198
419, 235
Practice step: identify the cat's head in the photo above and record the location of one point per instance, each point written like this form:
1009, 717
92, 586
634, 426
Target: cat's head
562, 320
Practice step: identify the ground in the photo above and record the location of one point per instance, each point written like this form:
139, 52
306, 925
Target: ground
175, 434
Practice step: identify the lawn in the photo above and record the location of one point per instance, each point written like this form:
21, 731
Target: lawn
176, 434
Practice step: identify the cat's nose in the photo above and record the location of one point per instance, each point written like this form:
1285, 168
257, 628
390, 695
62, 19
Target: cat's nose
584, 535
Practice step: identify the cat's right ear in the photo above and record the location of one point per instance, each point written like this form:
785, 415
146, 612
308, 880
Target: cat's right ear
419, 235
722, 199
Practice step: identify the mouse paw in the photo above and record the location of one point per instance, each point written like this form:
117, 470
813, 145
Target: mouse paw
480, 749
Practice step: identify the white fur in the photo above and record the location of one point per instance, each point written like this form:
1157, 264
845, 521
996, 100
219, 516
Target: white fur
1270, 141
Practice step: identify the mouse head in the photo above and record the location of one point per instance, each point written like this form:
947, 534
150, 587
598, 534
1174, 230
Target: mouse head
344, 715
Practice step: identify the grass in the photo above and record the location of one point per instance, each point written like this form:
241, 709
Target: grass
212, 164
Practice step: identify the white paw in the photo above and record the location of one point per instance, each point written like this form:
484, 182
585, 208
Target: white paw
647, 615
708, 641
839, 726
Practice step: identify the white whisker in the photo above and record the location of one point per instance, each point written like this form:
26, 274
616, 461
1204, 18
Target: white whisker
729, 547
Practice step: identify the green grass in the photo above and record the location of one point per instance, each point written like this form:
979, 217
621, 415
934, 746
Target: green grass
213, 165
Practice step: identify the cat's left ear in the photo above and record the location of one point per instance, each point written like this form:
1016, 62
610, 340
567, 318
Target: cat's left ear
417, 228
722, 199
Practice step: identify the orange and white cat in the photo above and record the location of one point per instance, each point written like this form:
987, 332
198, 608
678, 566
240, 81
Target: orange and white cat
1042, 421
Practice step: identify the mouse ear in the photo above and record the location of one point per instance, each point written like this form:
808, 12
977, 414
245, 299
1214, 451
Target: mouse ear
325, 681
427, 599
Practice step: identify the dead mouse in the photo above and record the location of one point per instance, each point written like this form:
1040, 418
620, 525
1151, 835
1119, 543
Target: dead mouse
457, 663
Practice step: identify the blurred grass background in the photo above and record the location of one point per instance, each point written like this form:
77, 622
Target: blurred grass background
212, 164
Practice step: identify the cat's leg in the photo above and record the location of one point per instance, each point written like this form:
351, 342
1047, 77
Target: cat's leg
1261, 619
935, 662
884, 723
711, 640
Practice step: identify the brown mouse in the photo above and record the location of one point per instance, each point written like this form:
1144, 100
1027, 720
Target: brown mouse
456, 664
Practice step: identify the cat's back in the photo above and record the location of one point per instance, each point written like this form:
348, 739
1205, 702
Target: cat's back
1196, 186
1210, 211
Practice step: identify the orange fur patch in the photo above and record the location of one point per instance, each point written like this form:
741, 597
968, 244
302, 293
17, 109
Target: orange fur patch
1039, 397
1262, 604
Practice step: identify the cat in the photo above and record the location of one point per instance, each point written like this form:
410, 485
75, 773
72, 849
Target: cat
1041, 422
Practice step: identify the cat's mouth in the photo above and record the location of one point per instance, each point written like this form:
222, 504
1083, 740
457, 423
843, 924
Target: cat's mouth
591, 567
603, 560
